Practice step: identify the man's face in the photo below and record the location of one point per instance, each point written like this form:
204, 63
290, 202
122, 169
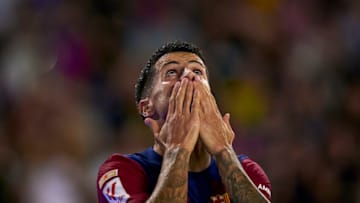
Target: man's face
170, 68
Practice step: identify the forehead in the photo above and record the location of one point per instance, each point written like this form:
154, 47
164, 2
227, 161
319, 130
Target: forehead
179, 57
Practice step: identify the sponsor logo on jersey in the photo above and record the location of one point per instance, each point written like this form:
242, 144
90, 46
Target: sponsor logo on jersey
224, 198
107, 176
115, 192
264, 188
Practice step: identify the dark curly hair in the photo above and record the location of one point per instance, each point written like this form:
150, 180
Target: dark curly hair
144, 83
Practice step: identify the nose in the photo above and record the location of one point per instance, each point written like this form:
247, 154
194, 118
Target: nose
189, 74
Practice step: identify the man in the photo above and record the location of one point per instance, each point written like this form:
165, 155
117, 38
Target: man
192, 159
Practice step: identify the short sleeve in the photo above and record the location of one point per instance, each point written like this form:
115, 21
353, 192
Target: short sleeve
257, 175
121, 180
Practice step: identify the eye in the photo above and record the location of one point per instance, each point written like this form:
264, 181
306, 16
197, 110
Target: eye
171, 72
198, 72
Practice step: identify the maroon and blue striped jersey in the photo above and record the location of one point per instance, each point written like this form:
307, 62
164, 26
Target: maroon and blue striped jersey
132, 178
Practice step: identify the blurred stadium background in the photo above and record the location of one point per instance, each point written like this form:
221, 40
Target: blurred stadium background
287, 70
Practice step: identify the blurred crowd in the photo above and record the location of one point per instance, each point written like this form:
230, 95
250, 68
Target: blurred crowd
287, 70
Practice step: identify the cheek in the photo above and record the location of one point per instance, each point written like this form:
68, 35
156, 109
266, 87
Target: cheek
205, 82
162, 106
161, 97
167, 87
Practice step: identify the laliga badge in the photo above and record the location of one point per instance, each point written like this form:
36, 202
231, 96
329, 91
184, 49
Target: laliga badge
108, 175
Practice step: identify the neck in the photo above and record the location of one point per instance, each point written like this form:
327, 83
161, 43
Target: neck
199, 159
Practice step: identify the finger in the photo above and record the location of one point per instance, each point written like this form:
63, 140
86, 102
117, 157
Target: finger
180, 95
188, 97
208, 102
153, 125
195, 105
208, 95
226, 119
203, 87
207, 92
204, 103
174, 92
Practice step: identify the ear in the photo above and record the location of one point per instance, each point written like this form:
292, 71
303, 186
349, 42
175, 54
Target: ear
145, 108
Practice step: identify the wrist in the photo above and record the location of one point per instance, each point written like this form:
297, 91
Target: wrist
226, 151
219, 147
177, 152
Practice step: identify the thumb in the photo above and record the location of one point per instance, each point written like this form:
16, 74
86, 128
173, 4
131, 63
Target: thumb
153, 125
226, 119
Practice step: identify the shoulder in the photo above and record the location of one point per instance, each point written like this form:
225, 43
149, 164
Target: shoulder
120, 177
257, 175
117, 164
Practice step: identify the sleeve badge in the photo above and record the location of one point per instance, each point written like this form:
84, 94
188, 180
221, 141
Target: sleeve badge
107, 176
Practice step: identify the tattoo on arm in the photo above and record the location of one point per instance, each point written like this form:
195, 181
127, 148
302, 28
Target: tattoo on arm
237, 183
172, 184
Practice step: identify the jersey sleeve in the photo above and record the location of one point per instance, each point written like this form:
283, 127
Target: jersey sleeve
122, 180
257, 176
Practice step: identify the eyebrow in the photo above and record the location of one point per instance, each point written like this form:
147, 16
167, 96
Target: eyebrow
191, 61
198, 62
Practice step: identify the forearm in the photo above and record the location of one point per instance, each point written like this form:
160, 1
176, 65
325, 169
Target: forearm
172, 184
237, 183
